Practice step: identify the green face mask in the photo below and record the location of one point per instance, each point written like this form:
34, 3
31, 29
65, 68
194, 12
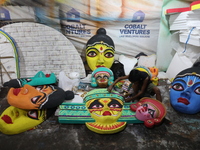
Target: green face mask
39, 79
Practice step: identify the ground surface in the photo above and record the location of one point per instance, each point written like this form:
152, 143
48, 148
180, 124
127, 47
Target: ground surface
182, 132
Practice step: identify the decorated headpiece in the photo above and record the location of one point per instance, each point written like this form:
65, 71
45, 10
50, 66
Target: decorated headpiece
102, 70
101, 93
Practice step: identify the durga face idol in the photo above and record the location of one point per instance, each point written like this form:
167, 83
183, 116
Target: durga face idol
99, 55
100, 50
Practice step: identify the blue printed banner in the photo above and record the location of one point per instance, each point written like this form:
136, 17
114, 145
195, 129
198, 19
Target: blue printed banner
133, 25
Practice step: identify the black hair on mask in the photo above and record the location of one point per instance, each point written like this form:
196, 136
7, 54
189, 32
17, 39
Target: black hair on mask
101, 36
57, 97
134, 75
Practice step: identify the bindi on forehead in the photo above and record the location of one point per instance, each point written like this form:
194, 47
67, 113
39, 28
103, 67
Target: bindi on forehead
101, 49
191, 80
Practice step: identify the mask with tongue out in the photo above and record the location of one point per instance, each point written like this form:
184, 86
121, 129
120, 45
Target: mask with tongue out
185, 90
37, 97
106, 109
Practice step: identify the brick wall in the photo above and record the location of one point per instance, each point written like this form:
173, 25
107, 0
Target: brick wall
42, 48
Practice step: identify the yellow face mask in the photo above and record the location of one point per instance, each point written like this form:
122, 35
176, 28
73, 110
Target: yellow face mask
106, 112
14, 120
99, 54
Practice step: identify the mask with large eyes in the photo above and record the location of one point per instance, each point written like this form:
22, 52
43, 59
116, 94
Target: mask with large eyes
185, 94
37, 97
14, 120
149, 110
99, 55
100, 50
102, 77
106, 109
146, 111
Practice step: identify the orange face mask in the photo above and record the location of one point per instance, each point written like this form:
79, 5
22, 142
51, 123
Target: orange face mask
29, 97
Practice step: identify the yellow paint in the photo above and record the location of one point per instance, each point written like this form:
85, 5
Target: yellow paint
194, 7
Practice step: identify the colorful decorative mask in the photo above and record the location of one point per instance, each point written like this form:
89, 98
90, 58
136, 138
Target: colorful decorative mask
185, 91
106, 109
149, 110
102, 77
39, 79
14, 120
100, 50
38, 97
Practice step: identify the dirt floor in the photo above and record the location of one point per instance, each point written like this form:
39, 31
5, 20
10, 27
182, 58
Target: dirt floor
177, 132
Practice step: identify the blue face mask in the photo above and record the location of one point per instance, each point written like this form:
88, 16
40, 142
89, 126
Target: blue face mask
185, 94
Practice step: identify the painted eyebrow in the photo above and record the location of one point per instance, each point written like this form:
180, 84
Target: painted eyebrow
180, 80
196, 83
92, 49
109, 50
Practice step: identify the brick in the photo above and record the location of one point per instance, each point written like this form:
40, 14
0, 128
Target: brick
41, 48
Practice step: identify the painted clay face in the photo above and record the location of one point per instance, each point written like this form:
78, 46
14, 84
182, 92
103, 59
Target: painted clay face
29, 97
99, 54
14, 120
149, 110
146, 111
185, 94
102, 79
105, 110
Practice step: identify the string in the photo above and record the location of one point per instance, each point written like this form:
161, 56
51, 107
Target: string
188, 39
